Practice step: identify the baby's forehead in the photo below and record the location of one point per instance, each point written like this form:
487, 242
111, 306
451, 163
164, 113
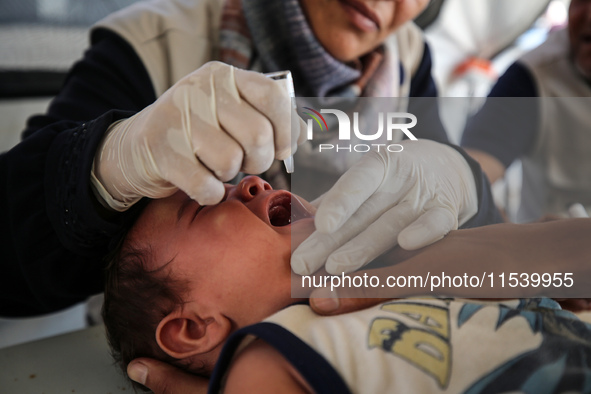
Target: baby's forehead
154, 228
154, 215
162, 212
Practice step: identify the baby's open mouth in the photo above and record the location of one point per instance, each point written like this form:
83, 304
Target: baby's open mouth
285, 209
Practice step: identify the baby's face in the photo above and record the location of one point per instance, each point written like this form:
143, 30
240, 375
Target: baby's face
236, 254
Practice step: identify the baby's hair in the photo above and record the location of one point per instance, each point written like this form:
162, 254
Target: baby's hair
136, 300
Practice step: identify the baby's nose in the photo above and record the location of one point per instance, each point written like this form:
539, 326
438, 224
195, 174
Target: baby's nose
250, 186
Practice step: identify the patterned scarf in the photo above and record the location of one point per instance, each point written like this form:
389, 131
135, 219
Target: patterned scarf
270, 36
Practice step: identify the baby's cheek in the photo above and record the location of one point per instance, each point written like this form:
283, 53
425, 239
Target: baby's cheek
222, 221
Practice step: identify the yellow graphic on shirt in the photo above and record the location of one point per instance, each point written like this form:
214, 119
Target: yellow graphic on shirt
427, 346
435, 318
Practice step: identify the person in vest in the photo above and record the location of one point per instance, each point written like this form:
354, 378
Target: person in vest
538, 112
169, 96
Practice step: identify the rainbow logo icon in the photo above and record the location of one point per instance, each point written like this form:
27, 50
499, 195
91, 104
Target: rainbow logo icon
317, 117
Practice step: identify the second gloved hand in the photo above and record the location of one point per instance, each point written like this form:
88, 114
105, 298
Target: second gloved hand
212, 124
412, 198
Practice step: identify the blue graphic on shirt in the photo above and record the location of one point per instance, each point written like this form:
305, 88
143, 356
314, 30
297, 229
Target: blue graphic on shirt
561, 363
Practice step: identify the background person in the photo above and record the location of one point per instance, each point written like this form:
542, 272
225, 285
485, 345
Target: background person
548, 131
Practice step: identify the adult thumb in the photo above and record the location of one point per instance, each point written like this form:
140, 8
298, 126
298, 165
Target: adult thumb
326, 303
162, 378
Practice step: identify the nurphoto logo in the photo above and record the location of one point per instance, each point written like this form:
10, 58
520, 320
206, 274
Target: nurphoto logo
386, 123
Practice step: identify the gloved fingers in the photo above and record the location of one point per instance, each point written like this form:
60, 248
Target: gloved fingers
273, 101
252, 132
197, 132
380, 236
317, 201
431, 226
219, 152
251, 129
298, 130
193, 178
353, 188
311, 255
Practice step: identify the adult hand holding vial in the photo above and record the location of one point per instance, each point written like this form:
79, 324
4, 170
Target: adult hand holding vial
212, 124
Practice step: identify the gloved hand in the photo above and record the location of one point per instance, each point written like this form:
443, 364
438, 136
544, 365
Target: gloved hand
412, 198
212, 124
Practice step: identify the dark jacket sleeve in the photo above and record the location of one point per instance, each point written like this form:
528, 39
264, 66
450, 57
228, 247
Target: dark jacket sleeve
55, 233
487, 210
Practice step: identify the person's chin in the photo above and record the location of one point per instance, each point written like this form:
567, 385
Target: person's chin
346, 44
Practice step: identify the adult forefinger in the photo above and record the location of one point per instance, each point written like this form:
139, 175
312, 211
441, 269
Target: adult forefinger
351, 190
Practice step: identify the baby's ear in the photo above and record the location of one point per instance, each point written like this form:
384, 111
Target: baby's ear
183, 333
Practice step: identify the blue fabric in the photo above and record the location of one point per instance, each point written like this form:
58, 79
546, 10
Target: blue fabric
422, 83
517, 81
422, 101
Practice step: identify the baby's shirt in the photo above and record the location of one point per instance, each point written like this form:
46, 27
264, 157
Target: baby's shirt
428, 345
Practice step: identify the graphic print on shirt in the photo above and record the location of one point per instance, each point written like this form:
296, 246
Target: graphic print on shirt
427, 346
561, 363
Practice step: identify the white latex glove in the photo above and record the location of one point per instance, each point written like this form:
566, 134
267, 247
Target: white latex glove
212, 124
412, 198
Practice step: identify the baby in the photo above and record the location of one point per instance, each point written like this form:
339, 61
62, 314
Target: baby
187, 277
